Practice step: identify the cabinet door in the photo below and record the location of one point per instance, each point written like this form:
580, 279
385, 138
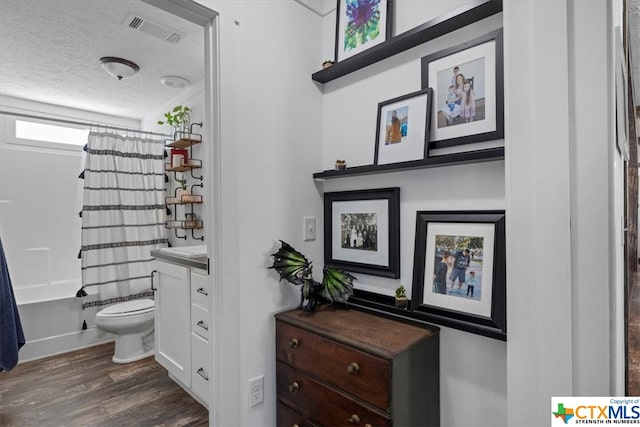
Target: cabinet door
173, 319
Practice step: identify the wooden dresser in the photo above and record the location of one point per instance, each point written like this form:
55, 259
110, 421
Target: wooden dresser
339, 367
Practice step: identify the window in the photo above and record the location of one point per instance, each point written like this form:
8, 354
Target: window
50, 133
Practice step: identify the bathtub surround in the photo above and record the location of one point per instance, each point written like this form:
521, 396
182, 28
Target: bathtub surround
11, 334
122, 214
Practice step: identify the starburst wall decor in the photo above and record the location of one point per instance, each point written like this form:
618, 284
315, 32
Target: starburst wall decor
361, 24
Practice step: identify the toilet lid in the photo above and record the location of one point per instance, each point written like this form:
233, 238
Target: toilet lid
130, 306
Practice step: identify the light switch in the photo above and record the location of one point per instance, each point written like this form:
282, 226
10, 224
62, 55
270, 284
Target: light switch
309, 224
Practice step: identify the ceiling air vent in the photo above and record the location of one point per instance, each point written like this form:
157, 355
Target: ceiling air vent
153, 29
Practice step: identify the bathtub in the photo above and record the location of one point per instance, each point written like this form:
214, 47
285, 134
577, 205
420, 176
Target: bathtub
52, 316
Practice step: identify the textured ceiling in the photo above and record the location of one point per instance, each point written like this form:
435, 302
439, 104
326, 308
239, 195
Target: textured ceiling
50, 52
633, 14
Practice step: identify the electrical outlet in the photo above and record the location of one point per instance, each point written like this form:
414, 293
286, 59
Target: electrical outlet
309, 224
256, 391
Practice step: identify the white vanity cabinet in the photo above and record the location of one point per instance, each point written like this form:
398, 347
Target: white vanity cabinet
199, 334
182, 325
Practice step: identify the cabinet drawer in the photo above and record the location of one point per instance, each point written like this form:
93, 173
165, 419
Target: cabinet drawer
321, 404
199, 289
201, 373
361, 374
287, 417
200, 320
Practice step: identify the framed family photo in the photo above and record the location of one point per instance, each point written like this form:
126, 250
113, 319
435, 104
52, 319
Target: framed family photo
360, 25
468, 92
402, 129
459, 270
362, 231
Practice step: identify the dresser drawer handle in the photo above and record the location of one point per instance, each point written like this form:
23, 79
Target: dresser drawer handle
294, 343
353, 368
202, 373
203, 325
355, 419
294, 387
202, 291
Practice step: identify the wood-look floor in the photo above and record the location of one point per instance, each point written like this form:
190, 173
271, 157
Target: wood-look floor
633, 336
85, 388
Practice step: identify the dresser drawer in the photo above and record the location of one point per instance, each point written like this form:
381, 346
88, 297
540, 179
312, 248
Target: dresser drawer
287, 417
200, 320
321, 404
201, 372
199, 289
360, 374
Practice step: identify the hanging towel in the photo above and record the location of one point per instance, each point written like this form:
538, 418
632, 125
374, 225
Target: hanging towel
11, 335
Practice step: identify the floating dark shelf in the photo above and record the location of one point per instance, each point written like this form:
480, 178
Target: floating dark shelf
430, 30
431, 162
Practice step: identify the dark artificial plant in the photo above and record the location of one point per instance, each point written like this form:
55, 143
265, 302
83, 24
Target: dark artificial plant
295, 268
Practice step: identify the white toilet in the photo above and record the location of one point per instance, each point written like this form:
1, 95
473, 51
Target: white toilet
130, 322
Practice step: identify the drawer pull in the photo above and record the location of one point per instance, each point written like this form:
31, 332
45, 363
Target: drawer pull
202, 291
294, 387
354, 419
203, 325
353, 368
202, 373
294, 343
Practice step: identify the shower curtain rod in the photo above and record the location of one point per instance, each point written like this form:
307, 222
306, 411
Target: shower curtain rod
73, 122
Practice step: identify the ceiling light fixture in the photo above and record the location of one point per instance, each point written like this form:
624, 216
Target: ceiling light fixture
175, 82
118, 67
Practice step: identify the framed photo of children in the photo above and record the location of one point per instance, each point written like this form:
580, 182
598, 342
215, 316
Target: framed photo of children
362, 231
468, 92
459, 270
402, 128
360, 25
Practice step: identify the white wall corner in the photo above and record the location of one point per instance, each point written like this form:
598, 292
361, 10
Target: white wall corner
319, 7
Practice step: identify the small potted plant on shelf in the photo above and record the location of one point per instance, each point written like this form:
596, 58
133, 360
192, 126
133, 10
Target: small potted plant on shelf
178, 118
327, 63
401, 298
183, 190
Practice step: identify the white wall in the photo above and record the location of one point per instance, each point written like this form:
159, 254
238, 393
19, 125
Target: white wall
563, 229
270, 136
278, 128
472, 367
192, 97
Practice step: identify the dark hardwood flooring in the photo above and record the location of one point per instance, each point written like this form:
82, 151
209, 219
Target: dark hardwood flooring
633, 336
85, 388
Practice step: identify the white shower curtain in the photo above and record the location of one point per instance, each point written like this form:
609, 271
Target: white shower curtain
122, 214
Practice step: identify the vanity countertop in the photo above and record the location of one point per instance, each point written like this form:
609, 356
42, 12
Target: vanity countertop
201, 262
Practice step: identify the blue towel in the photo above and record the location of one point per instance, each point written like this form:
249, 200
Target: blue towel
11, 335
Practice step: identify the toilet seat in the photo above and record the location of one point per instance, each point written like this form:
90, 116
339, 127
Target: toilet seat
128, 308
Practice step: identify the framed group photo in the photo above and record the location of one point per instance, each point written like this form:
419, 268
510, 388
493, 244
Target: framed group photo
362, 231
402, 130
468, 91
459, 270
360, 25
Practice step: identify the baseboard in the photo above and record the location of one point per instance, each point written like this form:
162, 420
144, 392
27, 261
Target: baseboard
64, 343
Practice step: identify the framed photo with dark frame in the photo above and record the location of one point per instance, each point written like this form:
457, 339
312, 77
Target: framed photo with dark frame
459, 271
360, 25
402, 130
468, 92
362, 231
